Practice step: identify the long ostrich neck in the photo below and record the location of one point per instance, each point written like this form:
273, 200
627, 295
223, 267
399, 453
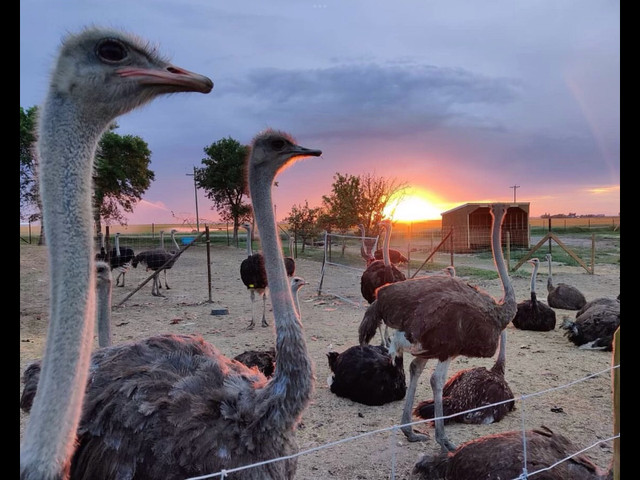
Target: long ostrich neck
385, 245
118, 245
173, 239
498, 367
288, 390
65, 188
508, 306
534, 274
249, 249
104, 311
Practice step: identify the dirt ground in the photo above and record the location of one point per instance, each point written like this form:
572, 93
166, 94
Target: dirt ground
538, 363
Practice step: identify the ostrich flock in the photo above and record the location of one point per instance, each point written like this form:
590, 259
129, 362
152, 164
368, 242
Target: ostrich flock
173, 406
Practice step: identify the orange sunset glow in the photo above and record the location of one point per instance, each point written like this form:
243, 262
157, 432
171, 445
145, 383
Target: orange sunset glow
416, 205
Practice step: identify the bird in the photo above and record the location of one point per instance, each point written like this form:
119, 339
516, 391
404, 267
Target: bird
254, 277
442, 317
99, 74
500, 456
532, 314
265, 360
120, 260
289, 262
102, 254
380, 272
368, 245
562, 295
474, 389
395, 256
593, 327
156, 260
367, 374
31, 374
172, 406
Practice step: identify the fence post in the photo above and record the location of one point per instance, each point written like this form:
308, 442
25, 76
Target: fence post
208, 244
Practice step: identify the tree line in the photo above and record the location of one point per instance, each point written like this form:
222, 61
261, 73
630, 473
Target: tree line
122, 176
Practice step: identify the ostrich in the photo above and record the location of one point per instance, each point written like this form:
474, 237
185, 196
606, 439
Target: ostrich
120, 260
394, 255
102, 255
368, 245
289, 262
442, 317
593, 327
532, 314
172, 406
254, 276
380, 272
155, 260
31, 374
265, 360
566, 297
501, 456
99, 75
367, 374
472, 389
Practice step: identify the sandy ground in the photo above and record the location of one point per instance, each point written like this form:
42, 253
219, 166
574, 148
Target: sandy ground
537, 362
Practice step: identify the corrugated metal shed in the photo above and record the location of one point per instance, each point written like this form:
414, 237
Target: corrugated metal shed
471, 224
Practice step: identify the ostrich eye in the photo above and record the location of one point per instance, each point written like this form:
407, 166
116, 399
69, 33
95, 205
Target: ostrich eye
111, 51
278, 144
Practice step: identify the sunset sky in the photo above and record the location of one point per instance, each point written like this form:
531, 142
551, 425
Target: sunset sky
463, 100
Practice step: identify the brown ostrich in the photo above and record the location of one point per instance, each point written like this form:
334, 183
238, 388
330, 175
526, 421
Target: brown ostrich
532, 314
380, 272
562, 295
99, 75
500, 456
265, 360
368, 245
441, 317
474, 389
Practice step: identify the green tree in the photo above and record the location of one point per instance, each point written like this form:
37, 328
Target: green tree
304, 222
375, 195
120, 177
29, 196
223, 177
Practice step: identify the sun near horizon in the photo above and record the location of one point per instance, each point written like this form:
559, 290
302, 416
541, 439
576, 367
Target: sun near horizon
414, 206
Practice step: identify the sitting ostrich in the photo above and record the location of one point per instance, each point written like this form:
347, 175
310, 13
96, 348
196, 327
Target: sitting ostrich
532, 314
593, 327
265, 360
562, 295
183, 408
474, 389
500, 456
99, 75
442, 317
367, 374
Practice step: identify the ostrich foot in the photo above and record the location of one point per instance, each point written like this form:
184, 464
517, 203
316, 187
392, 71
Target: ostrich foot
251, 325
446, 445
413, 436
264, 323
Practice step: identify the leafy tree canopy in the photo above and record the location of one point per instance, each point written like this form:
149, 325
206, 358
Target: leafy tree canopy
223, 177
359, 199
29, 196
304, 221
121, 176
